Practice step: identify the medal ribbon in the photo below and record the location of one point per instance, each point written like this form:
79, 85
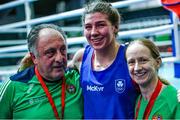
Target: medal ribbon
50, 97
151, 101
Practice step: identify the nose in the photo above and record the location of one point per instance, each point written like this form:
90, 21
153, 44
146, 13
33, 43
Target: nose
94, 31
137, 66
59, 57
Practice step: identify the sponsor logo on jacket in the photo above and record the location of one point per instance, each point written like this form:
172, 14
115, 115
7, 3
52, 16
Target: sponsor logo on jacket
94, 88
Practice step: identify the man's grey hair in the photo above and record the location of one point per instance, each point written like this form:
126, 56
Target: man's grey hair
33, 36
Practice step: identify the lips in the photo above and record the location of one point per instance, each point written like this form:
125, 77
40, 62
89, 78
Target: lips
97, 40
140, 74
59, 67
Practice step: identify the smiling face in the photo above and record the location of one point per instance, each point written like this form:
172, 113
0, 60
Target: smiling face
142, 66
98, 30
52, 55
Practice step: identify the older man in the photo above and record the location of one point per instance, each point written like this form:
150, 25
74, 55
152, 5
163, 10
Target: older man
47, 90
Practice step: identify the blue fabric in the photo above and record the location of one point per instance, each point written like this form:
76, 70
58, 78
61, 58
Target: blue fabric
24, 76
27, 74
108, 94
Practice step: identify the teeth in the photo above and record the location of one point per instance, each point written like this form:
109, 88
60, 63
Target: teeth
139, 74
96, 39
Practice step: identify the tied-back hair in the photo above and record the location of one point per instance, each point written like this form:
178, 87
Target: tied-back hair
164, 81
104, 8
154, 50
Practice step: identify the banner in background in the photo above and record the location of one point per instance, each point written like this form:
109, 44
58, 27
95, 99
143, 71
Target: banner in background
172, 5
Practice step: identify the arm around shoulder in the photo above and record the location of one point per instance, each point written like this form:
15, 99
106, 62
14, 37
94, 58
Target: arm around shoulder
25, 62
77, 59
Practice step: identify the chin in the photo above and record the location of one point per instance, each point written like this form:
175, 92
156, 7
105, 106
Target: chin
140, 81
55, 78
59, 75
97, 47
143, 82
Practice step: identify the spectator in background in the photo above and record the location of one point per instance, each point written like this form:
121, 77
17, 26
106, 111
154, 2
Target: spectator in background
158, 100
45, 90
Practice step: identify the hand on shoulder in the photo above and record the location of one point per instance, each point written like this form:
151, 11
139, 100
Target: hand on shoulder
77, 59
25, 62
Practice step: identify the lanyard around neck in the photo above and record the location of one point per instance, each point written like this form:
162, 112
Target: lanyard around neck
49, 96
150, 103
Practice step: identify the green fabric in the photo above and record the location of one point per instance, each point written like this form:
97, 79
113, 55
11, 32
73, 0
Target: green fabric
20, 100
166, 105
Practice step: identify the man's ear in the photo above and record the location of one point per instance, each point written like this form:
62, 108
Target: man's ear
33, 57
